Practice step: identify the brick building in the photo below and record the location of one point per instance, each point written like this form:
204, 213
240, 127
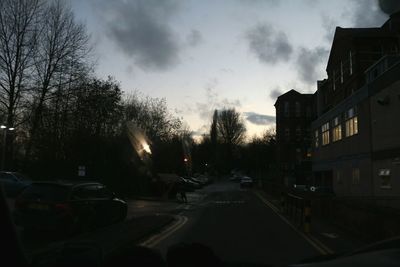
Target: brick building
356, 144
294, 113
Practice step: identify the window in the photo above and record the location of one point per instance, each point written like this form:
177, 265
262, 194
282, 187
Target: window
351, 122
286, 109
287, 134
298, 133
325, 134
308, 111
336, 130
316, 138
7, 177
384, 175
298, 109
351, 63
309, 154
334, 81
356, 176
339, 177
341, 72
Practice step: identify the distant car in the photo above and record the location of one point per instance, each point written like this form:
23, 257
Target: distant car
300, 188
188, 185
14, 183
235, 178
68, 206
322, 189
246, 182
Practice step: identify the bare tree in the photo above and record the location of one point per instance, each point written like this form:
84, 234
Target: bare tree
152, 115
231, 127
62, 48
18, 32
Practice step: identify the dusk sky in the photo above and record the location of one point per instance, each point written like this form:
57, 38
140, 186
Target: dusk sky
203, 55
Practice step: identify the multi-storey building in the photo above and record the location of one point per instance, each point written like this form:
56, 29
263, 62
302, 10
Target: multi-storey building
294, 113
356, 140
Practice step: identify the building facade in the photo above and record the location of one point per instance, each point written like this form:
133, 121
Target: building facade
294, 113
355, 143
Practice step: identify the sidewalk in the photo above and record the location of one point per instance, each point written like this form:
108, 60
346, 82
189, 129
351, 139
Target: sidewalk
329, 235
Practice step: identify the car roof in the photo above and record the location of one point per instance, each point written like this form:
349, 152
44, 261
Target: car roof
67, 183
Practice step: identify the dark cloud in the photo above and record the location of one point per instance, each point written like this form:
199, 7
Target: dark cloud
269, 45
260, 2
140, 29
366, 13
275, 93
389, 6
259, 119
194, 38
308, 63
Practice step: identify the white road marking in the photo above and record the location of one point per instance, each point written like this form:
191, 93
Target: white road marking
155, 239
330, 235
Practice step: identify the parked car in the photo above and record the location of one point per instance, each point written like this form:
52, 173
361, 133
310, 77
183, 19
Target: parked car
68, 206
300, 188
322, 189
189, 184
246, 182
14, 183
235, 178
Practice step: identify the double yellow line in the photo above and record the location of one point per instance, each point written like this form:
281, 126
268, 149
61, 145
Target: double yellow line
318, 245
155, 239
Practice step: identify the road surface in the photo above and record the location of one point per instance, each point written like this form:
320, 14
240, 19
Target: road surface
239, 227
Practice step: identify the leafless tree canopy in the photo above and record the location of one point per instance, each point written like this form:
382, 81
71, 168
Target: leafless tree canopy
231, 127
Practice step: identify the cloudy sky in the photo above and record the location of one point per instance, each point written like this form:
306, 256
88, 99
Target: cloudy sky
202, 55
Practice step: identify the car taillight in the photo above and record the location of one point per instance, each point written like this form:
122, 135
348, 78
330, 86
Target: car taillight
63, 208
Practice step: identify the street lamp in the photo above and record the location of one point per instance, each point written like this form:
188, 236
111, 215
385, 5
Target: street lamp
6, 129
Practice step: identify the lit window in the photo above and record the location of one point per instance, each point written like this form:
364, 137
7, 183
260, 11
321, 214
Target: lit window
356, 176
325, 134
298, 109
309, 154
336, 130
351, 63
384, 175
286, 109
316, 138
351, 122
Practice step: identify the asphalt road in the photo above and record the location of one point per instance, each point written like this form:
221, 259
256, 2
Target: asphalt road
239, 227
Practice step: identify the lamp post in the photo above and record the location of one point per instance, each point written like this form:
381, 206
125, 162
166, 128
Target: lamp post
5, 129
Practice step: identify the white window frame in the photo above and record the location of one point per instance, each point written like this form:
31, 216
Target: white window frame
325, 134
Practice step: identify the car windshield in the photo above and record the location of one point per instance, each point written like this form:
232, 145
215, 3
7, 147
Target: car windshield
266, 131
45, 192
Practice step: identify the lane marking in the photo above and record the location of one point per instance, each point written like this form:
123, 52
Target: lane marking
330, 235
155, 239
321, 248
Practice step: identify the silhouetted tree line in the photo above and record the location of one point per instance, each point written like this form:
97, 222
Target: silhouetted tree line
62, 115
225, 149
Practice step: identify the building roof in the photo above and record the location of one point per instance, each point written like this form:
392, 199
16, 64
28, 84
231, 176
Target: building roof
346, 34
289, 93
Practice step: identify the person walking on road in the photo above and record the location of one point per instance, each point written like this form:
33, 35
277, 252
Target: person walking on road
182, 192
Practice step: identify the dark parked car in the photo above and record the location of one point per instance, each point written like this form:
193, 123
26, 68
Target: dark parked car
246, 182
14, 182
68, 206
